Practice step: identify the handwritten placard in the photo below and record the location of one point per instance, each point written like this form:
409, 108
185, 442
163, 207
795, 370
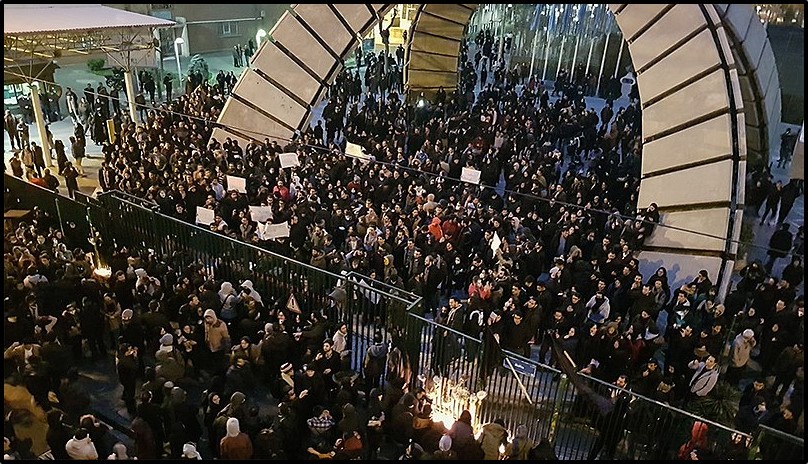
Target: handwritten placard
470, 175
204, 216
289, 160
238, 184
260, 213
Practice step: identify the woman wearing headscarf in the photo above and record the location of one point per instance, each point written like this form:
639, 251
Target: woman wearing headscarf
463, 441
119, 453
247, 290
229, 301
236, 445
189, 452
494, 435
519, 448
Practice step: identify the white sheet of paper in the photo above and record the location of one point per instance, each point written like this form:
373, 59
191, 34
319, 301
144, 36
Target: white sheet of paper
289, 160
260, 213
352, 149
357, 151
470, 175
277, 230
238, 184
495, 243
204, 216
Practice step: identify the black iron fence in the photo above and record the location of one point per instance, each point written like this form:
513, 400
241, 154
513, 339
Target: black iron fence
459, 371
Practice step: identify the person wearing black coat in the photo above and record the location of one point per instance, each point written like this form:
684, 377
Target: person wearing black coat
610, 423
779, 246
127, 368
58, 434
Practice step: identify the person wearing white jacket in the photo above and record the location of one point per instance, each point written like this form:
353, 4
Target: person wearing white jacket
80, 447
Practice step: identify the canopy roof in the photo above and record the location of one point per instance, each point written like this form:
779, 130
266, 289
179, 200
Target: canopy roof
34, 35
36, 19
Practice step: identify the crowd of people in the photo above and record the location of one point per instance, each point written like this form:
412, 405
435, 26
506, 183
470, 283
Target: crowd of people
541, 250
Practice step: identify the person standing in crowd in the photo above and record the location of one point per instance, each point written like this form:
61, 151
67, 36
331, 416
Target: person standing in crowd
705, 377
77, 150
71, 176
779, 246
11, 130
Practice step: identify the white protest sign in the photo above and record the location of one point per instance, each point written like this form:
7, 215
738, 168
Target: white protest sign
260, 213
289, 160
238, 184
272, 231
356, 151
204, 216
495, 243
470, 175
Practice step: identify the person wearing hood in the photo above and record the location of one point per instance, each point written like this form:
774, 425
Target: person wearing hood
217, 339
120, 453
462, 435
237, 409
81, 447
236, 445
170, 363
445, 451
229, 301
374, 363
494, 435
189, 452
697, 441
519, 448
183, 424
248, 291
435, 228
350, 420
740, 352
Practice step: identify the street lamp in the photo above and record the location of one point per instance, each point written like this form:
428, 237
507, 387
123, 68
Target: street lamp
177, 42
258, 36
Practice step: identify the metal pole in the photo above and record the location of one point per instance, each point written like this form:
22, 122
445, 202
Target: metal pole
533, 53
501, 34
575, 56
179, 65
589, 57
619, 57
40, 123
602, 63
546, 54
560, 52
128, 78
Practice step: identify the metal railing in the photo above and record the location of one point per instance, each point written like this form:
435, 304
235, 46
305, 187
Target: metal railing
454, 367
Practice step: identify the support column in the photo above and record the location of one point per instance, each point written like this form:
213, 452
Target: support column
602, 63
619, 57
40, 123
575, 55
546, 53
560, 55
128, 77
533, 53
